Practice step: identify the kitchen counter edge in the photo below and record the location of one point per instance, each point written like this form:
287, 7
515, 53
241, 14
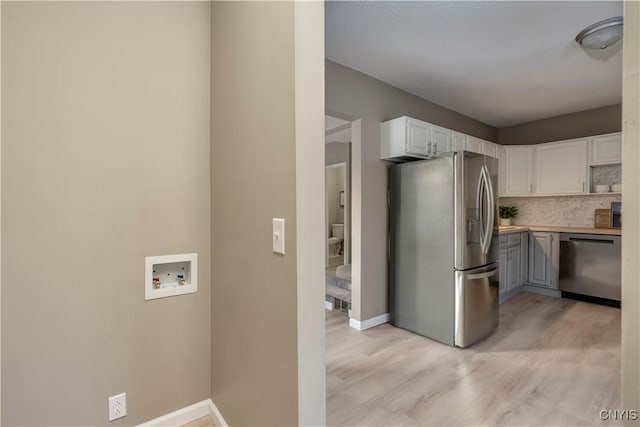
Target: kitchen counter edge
556, 229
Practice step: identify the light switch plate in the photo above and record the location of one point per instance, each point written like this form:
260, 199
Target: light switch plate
278, 235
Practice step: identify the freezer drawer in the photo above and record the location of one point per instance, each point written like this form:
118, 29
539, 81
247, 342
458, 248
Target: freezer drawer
590, 264
476, 304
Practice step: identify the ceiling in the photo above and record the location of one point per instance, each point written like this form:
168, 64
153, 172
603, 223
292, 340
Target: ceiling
502, 63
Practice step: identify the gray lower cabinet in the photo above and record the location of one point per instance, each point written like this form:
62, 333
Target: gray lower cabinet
544, 248
513, 263
513, 268
504, 267
524, 258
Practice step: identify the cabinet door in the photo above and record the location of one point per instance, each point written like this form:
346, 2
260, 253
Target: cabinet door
440, 140
474, 145
504, 266
561, 168
458, 141
513, 268
418, 134
543, 254
502, 170
524, 257
606, 149
518, 170
490, 149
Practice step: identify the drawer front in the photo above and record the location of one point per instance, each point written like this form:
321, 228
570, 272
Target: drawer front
514, 239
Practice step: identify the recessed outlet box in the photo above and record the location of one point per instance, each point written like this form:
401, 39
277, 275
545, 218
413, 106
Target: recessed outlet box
117, 406
170, 275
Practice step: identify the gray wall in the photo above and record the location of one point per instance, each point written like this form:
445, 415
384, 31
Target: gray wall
575, 125
105, 160
254, 355
336, 152
351, 94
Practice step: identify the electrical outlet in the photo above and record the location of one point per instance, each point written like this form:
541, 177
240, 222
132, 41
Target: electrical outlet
117, 406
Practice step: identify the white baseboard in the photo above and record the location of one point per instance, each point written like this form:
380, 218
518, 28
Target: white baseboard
369, 323
186, 415
216, 415
328, 305
542, 291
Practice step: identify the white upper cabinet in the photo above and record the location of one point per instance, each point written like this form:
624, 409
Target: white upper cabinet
459, 141
404, 138
518, 171
606, 149
475, 145
561, 168
490, 149
418, 134
440, 140
502, 170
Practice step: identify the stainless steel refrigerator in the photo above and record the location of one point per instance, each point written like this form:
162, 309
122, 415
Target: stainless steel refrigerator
443, 252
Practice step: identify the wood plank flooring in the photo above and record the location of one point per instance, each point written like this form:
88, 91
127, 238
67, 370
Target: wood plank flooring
552, 362
205, 421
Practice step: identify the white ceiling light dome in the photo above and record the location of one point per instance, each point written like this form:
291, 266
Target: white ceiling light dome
602, 34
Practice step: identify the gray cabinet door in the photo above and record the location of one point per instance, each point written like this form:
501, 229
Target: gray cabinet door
524, 258
543, 255
513, 268
504, 266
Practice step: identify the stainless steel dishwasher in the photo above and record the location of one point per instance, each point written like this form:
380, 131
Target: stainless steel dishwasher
590, 265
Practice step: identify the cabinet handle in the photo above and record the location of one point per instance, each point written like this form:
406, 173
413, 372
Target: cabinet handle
530, 188
583, 186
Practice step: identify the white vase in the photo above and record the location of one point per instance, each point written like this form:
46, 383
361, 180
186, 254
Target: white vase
505, 221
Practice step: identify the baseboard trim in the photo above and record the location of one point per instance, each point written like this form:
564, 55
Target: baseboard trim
369, 323
328, 305
542, 291
216, 415
187, 414
510, 294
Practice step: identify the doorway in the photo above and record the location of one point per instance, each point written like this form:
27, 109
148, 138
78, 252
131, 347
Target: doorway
336, 195
338, 234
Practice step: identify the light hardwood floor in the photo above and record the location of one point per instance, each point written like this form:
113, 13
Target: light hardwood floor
205, 421
552, 362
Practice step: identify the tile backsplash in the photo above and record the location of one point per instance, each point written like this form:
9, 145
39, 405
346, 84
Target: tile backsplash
566, 211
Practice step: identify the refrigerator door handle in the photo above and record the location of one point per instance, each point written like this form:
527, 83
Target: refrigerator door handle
479, 196
484, 275
492, 210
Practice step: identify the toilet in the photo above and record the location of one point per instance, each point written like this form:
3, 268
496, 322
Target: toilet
335, 241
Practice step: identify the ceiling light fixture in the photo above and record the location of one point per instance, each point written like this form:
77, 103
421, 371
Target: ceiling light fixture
602, 34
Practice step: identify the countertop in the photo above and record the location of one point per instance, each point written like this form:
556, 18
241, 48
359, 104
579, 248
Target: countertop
580, 230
